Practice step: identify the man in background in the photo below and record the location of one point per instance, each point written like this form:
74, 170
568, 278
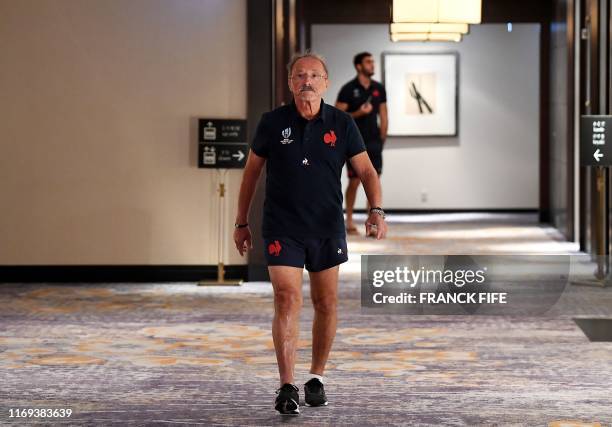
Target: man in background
365, 99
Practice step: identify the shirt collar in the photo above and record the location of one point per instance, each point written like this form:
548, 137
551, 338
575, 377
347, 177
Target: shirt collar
358, 83
323, 111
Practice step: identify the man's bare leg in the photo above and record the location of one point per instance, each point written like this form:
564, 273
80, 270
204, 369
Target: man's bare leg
350, 196
287, 284
324, 295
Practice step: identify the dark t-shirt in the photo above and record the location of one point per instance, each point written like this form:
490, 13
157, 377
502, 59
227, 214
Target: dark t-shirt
354, 94
303, 167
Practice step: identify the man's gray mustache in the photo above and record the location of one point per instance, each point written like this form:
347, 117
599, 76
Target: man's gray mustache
305, 88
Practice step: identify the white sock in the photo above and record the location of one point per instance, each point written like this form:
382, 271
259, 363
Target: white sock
319, 377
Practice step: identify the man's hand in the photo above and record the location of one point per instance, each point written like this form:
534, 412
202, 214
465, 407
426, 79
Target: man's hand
365, 109
376, 226
242, 239
242, 235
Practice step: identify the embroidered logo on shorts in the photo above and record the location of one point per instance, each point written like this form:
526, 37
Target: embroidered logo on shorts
286, 133
330, 138
339, 251
274, 248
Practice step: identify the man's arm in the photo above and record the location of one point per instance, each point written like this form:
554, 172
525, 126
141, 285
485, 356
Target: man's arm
341, 105
371, 184
252, 170
384, 121
365, 108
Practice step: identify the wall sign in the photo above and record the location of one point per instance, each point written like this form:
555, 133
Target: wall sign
222, 143
595, 131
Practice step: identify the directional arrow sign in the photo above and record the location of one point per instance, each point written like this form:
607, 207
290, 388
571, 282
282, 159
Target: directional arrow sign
222, 143
596, 141
222, 156
598, 155
239, 155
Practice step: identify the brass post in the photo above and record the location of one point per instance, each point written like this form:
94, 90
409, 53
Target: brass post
220, 266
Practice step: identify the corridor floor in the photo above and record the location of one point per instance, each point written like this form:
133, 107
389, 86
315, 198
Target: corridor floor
176, 353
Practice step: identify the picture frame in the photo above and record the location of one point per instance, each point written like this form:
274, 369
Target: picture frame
422, 93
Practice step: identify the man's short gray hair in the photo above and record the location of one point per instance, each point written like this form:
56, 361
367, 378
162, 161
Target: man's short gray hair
306, 54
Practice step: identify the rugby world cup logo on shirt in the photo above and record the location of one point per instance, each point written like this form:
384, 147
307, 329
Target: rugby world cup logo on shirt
330, 138
286, 133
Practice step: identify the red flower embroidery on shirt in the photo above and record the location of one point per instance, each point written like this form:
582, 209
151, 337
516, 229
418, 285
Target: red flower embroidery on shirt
330, 138
375, 93
274, 248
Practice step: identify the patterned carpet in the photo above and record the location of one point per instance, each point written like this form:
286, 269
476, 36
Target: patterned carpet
165, 354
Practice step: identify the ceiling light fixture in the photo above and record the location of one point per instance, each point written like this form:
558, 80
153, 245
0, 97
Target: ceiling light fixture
437, 11
429, 28
416, 37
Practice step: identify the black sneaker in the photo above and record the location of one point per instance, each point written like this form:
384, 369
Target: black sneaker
288, 400
315, 393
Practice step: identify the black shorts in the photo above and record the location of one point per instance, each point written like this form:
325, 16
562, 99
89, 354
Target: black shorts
375, 153
315, 253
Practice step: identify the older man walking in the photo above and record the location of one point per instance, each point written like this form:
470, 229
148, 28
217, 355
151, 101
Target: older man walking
304, 146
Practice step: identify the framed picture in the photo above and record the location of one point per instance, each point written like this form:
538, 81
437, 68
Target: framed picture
422, 93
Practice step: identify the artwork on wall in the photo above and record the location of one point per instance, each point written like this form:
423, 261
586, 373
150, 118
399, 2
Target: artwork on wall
422, 93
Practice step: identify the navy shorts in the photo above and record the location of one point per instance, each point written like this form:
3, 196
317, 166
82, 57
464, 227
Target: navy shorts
315, 253
374, 153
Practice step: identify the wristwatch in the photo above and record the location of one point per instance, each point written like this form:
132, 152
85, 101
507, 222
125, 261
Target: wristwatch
378, 211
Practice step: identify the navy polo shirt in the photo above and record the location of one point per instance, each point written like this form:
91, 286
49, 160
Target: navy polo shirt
304, 161
354, 94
